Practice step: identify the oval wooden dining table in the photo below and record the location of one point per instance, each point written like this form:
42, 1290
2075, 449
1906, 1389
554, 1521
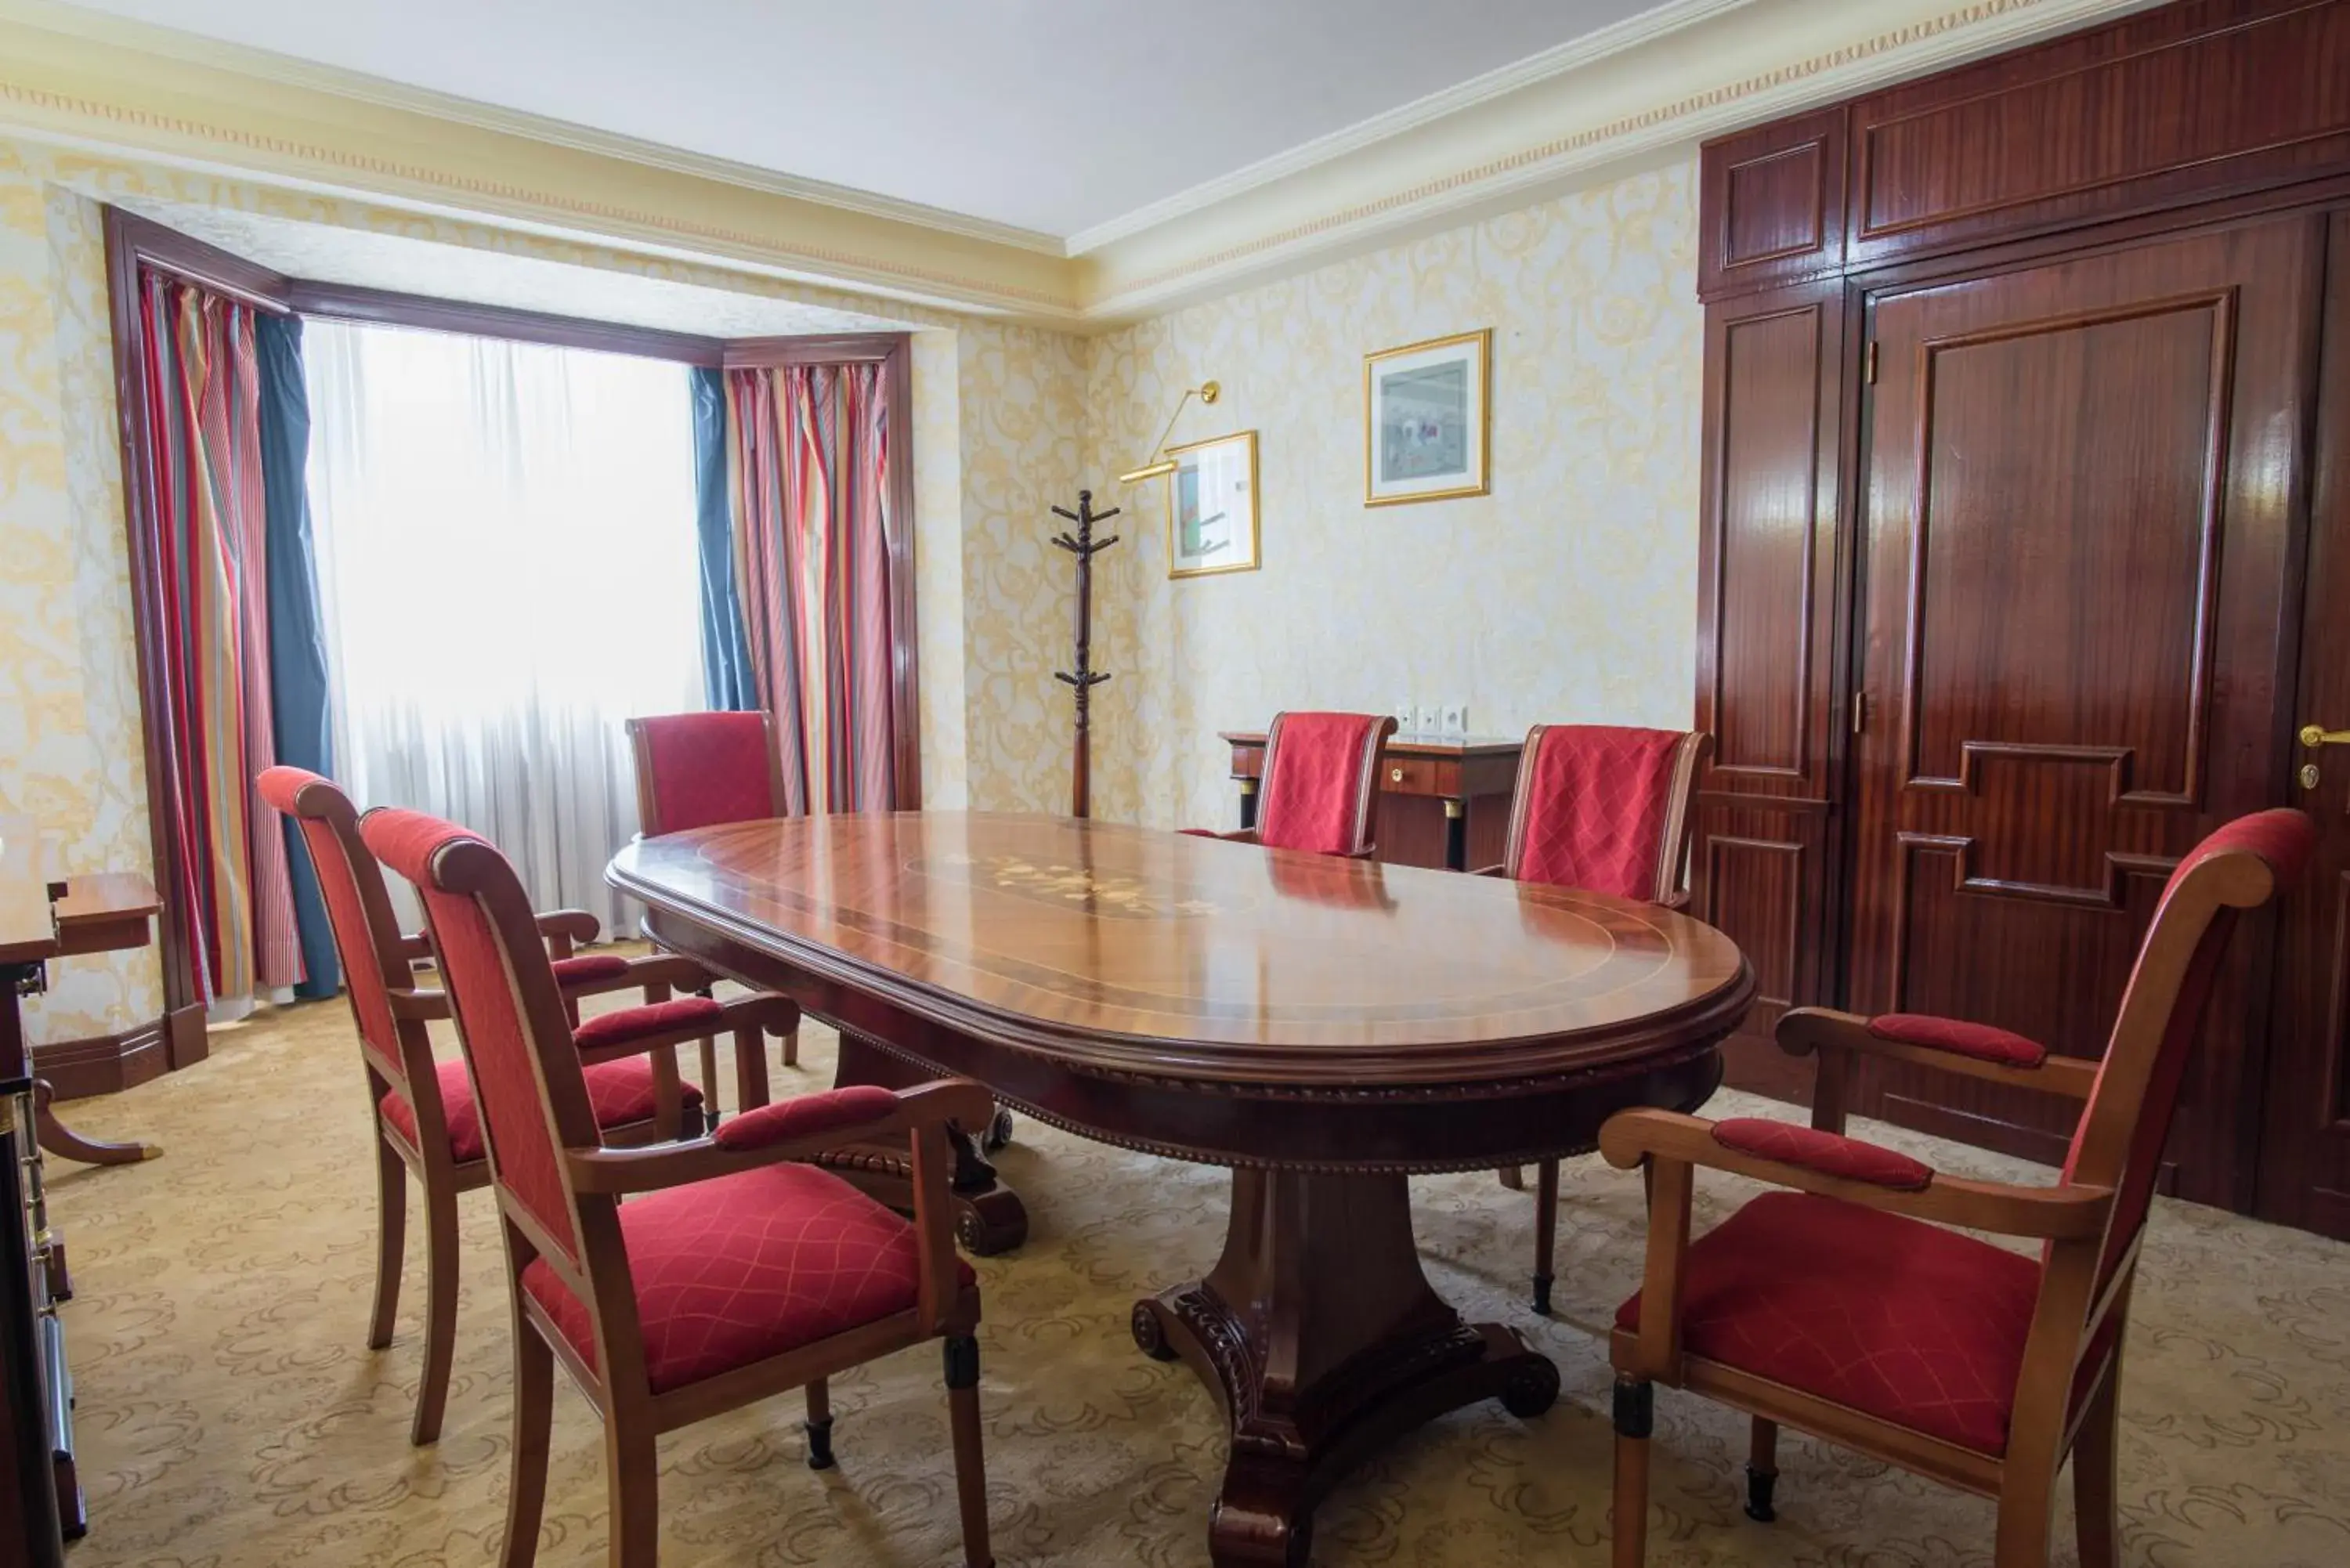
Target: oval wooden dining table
1325, 1027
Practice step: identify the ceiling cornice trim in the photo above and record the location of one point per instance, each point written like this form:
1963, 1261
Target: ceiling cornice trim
1557, 60
1551, 164
267, 65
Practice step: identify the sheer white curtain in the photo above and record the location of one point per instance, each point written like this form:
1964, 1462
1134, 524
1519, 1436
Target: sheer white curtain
506, 562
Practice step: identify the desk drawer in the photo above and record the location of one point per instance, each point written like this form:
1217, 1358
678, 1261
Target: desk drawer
1419, 776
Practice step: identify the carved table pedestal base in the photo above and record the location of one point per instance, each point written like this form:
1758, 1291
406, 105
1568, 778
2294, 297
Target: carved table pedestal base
1322, 1340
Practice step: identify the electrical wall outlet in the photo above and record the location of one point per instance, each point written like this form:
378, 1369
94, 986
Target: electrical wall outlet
1426, 720
1455, 719
1406, 715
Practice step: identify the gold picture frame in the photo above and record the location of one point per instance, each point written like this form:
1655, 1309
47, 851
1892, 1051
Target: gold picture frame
1219, 473
1428, 425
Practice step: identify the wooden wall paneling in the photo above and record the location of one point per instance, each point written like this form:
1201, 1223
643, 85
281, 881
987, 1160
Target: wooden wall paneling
2303, 1166
1774, 201
1768, 679
2062, 459
2183, 104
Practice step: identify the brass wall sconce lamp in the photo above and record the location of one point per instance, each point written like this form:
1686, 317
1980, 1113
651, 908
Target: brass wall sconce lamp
1158, 466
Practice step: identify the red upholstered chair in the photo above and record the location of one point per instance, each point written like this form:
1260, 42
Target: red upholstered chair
425, 1118
1604, 808
699, 770
735, 1270
1320, 791
1844, 1309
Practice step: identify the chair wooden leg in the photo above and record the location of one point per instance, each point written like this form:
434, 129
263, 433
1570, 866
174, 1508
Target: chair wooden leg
2095, 1484
1762, 1471
971, 1467
632, 1476
2026, 1510
750, 1068
440, 1313
710, 1078
1635, 1419
792, 1046
1545, 1231
390, 1241
1514, 1177
533, 1410
819, 1425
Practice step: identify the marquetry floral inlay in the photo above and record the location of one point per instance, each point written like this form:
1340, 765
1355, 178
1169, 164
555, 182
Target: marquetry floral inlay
1079, 886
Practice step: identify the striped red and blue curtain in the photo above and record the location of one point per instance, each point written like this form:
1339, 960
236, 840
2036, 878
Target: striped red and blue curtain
204, 470
808, 454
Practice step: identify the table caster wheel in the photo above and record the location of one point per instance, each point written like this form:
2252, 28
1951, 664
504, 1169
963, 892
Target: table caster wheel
999, 1132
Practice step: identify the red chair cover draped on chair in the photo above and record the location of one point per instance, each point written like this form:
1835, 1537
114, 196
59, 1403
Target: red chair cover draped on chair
810, 449
204, 469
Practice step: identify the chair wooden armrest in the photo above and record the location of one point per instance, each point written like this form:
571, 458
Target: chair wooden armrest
761, 1011
1497, 869
2069, 1212
1841, 1038
616, 1172
653, 968
576, 926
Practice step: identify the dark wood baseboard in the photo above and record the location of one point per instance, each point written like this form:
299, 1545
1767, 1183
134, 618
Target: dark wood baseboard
106, 1063
184, 1043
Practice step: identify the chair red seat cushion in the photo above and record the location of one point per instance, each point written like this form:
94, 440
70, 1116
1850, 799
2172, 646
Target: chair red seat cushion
739, 1268
588, 966
1895, 1318
618, 1091
1958, 1037
683, 1016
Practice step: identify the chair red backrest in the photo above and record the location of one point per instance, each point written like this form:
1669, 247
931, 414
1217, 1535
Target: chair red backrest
1604, 808
697, 770
358, 906
1322, 781
510, 1019
2118, 1141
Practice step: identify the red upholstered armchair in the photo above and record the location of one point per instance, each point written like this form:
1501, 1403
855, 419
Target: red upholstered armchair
735, 1270
1604, 808
1843, 1307
1321, 788
425, 1118
698, 770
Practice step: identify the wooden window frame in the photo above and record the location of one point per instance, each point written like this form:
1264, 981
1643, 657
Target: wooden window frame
133, 242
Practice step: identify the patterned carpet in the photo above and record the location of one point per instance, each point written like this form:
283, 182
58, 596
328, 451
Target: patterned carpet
230, 1415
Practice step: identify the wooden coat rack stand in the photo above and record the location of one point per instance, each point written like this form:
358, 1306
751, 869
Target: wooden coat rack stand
1085, 678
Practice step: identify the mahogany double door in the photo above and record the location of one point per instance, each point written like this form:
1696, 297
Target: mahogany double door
2085, 490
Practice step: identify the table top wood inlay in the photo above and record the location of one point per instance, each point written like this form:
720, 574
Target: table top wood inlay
1136, 951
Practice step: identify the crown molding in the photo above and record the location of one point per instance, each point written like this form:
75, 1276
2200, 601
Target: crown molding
212, 54
1632, 94
1557, 60
1718, 68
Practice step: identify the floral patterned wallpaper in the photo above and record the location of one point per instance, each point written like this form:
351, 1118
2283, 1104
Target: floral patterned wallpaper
1567, 594
998, 417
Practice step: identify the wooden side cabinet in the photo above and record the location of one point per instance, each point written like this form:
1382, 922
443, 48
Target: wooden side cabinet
1445, 801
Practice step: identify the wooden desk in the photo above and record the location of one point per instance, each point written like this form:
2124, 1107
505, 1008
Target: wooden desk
39, 920
1445, 803
1322, 1026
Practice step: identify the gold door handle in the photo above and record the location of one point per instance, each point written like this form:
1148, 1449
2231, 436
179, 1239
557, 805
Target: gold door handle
1394, 775
2316, 735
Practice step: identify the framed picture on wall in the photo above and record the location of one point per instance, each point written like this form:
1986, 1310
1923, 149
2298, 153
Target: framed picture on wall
1212, 507
1426, 433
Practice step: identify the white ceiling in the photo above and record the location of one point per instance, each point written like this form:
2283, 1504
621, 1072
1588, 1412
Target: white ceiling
1049, 115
